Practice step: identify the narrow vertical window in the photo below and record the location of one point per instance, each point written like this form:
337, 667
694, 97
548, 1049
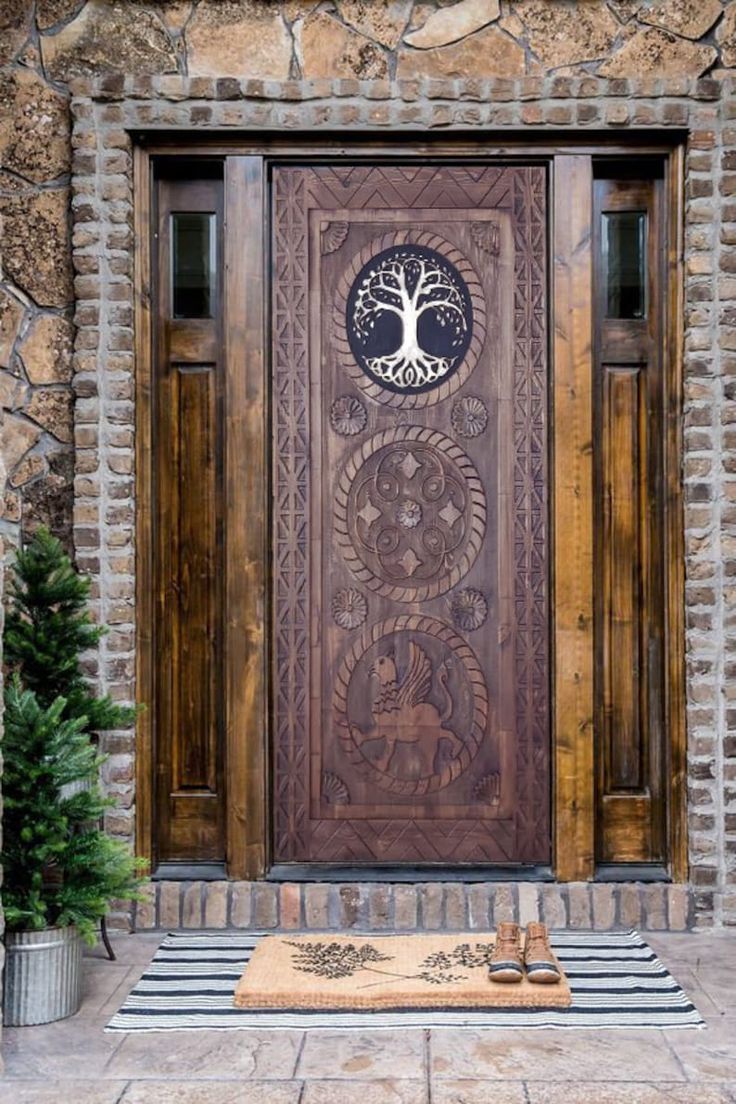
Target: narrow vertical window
193, 264
624, 252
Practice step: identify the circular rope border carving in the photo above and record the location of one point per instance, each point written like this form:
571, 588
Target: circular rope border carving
477, 528
431, 627
345, 356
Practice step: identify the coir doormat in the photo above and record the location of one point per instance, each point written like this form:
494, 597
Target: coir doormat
377, 972
615, 979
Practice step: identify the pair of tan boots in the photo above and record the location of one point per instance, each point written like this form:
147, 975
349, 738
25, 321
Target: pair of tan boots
508, 963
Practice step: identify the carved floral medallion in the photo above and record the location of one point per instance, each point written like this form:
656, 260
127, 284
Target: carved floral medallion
348, 415
469, 416
469, 608
410, 513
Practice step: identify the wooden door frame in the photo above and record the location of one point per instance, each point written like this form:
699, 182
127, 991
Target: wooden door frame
571, 484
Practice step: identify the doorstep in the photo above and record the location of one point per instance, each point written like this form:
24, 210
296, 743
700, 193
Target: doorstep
430, 906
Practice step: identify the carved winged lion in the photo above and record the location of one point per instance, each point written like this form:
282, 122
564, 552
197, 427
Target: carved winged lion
402, 713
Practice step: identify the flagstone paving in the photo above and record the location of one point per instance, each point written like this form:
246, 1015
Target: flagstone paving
75, 1062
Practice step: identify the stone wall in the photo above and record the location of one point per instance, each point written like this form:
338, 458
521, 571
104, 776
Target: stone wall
394, 63
45, 44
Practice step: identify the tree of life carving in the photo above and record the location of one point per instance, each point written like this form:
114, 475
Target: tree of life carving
410, 318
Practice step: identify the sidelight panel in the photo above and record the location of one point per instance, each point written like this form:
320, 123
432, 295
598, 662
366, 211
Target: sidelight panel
188, 522
629, 504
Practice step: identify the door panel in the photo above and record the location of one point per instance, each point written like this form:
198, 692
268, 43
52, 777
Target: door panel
410, 598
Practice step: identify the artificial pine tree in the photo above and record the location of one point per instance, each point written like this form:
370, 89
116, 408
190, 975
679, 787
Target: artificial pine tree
48, 627
59, 867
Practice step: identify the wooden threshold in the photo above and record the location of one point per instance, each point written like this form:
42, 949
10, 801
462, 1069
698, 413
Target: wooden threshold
330, 872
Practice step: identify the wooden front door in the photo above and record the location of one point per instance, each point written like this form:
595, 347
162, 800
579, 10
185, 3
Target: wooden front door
410, 634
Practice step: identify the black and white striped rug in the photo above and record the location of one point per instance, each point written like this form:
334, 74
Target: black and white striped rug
615, 977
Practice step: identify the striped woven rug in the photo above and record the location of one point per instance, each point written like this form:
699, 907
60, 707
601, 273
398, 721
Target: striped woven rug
615, 977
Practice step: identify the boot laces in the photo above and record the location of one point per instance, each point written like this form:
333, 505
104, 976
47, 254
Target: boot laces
507, 941
537, 942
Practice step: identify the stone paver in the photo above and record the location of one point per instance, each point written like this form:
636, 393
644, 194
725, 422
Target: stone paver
207, 1054
591, 1092
359, 1054
51, 1092
75, 1061
719, 982
388, 1091
563, 1055
708, 1055
69, 1049
467, 1091
219, 1092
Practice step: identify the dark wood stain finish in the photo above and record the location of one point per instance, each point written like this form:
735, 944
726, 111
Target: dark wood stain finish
573, 520
630, 562
410, 619
188, 520
206, 415
246, 492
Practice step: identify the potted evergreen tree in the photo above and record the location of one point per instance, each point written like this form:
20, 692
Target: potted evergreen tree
61, 870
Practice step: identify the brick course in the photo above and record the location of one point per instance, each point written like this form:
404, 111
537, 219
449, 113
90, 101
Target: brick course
382, 906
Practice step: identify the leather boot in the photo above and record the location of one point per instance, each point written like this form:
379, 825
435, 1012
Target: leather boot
506, 964
541, 967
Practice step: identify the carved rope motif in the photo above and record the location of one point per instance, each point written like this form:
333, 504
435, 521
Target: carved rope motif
410, 513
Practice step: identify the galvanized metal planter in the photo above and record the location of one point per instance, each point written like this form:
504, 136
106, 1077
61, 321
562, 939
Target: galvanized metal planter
43, 976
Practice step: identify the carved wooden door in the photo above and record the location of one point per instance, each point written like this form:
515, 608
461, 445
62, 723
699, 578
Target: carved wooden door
410, 568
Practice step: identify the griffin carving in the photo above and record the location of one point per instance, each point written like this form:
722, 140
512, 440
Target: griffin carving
402, 713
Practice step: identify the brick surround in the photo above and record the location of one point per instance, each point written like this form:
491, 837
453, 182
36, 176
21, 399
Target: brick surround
105, 112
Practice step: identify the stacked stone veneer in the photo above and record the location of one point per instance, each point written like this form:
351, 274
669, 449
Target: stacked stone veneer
523, 65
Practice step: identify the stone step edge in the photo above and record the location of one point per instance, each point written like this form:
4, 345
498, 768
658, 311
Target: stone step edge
423, 906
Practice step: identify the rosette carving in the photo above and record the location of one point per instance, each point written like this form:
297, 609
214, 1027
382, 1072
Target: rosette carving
469, 609
334, 790
333, 235
488, 789
469, 416
486, 237
348, 416
349, 608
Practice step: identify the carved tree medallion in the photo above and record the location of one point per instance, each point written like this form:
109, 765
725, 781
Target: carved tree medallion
409, 318
411, 705
410, 513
